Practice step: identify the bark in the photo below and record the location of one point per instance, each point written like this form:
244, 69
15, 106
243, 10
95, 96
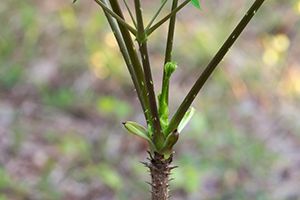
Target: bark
160, 169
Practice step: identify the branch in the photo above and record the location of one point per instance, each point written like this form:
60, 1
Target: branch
137, 68
168, 68
124, 52
170, 40
212, 65
156, 14
158, 136
158, 24
117, 17
130, 13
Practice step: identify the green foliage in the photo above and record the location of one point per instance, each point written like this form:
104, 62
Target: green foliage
196, 3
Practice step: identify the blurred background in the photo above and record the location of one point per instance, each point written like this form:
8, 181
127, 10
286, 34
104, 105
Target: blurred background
64, 91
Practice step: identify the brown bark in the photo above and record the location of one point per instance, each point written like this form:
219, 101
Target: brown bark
160, 169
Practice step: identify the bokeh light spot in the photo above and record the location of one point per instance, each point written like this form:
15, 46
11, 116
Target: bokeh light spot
270, 56
281, 42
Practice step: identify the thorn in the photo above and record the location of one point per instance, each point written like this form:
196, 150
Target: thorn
173, 167
149, 183
149, 159
170, 174
150, 155
145, 164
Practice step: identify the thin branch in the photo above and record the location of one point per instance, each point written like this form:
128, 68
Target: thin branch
130, 13
163, 20
168, 69
156, 14
134, 59
124, 52
158, 136
170, 40
212, 65
118, 18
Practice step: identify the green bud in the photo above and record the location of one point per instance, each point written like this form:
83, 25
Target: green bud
169, 68
170, 141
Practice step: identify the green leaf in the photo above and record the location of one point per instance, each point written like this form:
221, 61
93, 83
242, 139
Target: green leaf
74, 1
137, 129
196, 3
185, 120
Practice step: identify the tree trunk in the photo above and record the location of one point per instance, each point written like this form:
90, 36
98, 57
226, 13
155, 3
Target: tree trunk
160, 171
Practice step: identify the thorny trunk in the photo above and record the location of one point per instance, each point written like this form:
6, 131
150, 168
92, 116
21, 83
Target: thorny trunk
160, 169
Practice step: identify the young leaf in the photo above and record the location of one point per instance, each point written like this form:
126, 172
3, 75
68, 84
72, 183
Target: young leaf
163, 109
185, 120
137, 129
196, 3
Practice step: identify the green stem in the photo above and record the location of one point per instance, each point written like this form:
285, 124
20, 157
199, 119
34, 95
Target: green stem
134, 59
130, 13
156, 14
124, 52
212, 65
158, 137
117, 17
163, 20
169, 47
